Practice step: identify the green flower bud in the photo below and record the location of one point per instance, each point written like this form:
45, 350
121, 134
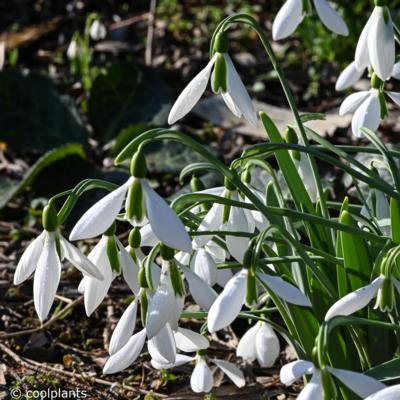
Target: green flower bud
220, 77
221, 44
134, 204
49, 218
134, 238
138, 165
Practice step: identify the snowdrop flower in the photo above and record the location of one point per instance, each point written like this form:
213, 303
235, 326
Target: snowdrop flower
229, 303
45, 256
381, 287
259, 343
224, 80
376, 46
97, 30
110, 257
141, 202
291, 14
73, 49
362, 385
389, 393
2, 54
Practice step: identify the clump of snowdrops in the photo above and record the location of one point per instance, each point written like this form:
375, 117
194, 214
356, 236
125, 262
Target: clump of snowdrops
329, 269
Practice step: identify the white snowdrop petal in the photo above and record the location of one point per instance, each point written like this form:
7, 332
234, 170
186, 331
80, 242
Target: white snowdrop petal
381, 45
247, 344
232, 371
352, 102
203, 294
362, 385
211, 222
361, 57
354, 301
101, 215
165, 224
331, 18
160, 307
130, 270
95, 291
204, 266
124, 329
148, 238
231, 104
47, 277
162, 347
395, 97
223, 276
288, 19
349, 77
79, 260
267, 345
191, 94
306, 174
239, 94
313, 390
396, 71
201, 380
29, 260
180, 359
389, 393
396, 284
176, 312
126, 355
368, 115
216, 251
189, 341
2, 54
285, 290
229, 303
82, 283
291, 372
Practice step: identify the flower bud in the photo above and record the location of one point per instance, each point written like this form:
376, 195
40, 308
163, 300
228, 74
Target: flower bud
134, 238
219, 80
49, 217
196, 185
138, 165
97, 30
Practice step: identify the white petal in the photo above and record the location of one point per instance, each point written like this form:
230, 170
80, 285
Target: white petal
361, 57
165, 224
294, 370
355, 301
148, 237
191, 94
29, 260
287, 19
267, 345
396, 71
204, 266
126, 355
79, 260
390, 393
368, 115
238, 93
202, 377
96, 290
216, 251
395, 97
285, 290
229, 303
352, 102
247, 344
162, 347
232, 371
362, 385
160, 307
381, 45
349, 77
176, 312
124, 329
203, 294
211, 222
180, 359
101, 215
189, 341
331, 18
82, 283
130, 269
231, 104
47, 277
313, 389
305, 172
224, 274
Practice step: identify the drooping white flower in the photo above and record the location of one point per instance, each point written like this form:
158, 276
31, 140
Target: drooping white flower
45, 256
161, 217
2, 54
361, 297
236, 96
259, 343
362, 385
389, 393
97, 30
291, 14
376, 46
73, 49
